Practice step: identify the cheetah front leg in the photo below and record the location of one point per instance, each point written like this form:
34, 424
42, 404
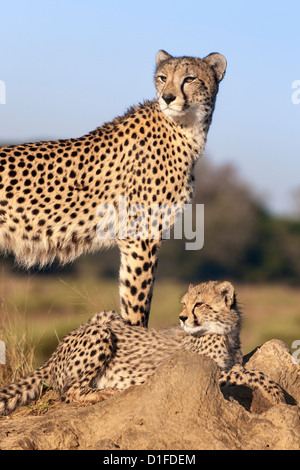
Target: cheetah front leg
137, 274
255, 380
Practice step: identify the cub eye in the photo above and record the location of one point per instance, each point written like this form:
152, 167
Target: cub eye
162, 78
189, 79
198, 304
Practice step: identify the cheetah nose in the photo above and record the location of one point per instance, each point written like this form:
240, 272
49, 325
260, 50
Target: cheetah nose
182, 318
169, 98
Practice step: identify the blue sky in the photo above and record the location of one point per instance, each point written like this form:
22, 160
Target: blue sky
70, 65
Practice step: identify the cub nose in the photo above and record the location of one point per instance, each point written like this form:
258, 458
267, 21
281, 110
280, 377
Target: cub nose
183, 318
169, 98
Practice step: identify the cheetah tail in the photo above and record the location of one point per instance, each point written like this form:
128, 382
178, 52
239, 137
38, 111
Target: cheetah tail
24, 390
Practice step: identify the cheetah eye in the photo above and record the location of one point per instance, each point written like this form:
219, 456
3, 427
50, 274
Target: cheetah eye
162, 78
189, 79
198, 304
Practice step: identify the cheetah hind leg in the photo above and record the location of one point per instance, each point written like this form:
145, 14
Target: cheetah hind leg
78, 386
254, 380
88, 395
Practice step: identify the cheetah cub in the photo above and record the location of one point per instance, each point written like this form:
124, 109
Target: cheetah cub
106, 354
61, 199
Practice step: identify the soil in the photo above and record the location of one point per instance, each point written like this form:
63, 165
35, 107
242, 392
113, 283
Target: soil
180, 408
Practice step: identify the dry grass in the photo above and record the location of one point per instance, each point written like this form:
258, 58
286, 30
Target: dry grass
270, 311
19, 347
20, 356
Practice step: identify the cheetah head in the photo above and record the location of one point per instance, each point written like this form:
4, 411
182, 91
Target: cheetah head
210, 308
187, 86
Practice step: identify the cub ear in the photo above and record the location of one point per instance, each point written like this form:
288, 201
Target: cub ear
191, 287
227, 291
218, 63
161, 56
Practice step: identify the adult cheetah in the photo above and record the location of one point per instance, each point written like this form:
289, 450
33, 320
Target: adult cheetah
50, 192
106, 354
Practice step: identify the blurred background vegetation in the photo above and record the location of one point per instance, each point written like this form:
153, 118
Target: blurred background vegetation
244, 243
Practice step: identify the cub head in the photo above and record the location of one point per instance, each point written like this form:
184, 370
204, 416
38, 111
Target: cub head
210, 308
187, 86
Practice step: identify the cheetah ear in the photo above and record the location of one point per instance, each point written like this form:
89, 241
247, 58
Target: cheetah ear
227, 291
218, 64
161, 56
191, 287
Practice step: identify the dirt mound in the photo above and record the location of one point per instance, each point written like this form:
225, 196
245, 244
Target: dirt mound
181, 407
